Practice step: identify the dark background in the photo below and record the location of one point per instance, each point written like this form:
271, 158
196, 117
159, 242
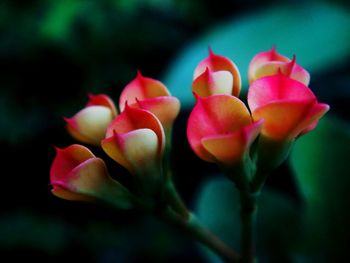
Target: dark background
52, 53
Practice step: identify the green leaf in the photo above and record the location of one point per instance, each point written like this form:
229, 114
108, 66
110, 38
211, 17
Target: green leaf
320, 160
317, 34
277, 221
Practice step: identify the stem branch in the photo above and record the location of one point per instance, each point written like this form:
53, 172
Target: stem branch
194, 228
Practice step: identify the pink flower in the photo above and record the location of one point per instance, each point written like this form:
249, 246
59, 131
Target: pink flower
89, 124
220, 129
216, 75
270, 63
288, 107
151, 95
76, 174
135, 139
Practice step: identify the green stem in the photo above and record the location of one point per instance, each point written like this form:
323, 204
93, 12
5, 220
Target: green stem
248, 226
195, 229
175, 201
258, 182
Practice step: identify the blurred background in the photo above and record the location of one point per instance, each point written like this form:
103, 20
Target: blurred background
52, 53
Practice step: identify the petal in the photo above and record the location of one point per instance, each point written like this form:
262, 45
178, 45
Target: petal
89, 181
230, 149
300, 74
89, 125
67, 195
136, 150
165, 108
276, 88
113, 148
213, 116
210, 83
289, 69
311, 120
134, 118
102, 100
262, 58
219, 63
142, 88
286, 120
67, 159
270, 63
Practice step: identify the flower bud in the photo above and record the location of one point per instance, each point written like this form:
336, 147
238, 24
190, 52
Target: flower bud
288, 107
214, 74
220, 129
135, 139
89, 124
151, 95
270, 63
76, 174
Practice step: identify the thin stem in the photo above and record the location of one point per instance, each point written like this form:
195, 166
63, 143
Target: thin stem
194, 228
258, 181
175, 200
248, 226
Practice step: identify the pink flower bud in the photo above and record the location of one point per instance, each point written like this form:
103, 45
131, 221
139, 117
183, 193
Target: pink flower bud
76, 174
135, 139
89, 124
220, 129
151, 95
288, 107
270, 63
211, 83
216, 75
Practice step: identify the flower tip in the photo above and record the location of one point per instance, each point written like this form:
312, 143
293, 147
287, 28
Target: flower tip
139, 74
293, 61
325, 107
210, 50
57, 149
126, 105
68, 120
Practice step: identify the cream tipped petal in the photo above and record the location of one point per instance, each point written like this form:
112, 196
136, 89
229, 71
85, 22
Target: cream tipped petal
270, 63
102, 100
67, 159
142, 88
89, 125
213, 116
288, 119
136, 150
211, 83
134, 118
261, 59
166, 108
230, 149
216, 63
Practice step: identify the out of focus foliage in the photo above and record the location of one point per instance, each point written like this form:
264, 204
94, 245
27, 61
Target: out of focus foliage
52, 53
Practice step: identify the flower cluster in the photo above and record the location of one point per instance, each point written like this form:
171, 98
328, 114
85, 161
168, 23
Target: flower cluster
135, 138
221, 129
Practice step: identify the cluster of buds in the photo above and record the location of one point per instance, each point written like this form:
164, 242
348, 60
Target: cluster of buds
135, 138
249, 143
245, 142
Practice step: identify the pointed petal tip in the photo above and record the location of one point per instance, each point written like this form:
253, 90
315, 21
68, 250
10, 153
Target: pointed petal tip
210, 51
138, 74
